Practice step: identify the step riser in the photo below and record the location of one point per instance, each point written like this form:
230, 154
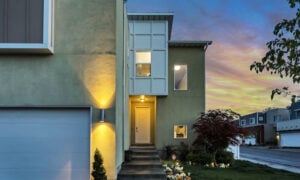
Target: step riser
127, 166
142, 163
145, 159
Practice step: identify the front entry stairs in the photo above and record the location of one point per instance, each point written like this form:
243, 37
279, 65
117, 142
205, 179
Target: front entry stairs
142, 163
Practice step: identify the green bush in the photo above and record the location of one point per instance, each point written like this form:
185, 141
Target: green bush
200, 158
225, 157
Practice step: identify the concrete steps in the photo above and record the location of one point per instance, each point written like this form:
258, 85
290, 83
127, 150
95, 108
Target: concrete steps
144, 164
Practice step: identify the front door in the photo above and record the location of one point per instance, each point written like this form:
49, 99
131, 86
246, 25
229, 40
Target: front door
142, 121
142, 125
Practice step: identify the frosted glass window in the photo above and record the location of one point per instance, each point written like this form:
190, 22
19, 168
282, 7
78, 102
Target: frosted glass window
143, 63
180, 77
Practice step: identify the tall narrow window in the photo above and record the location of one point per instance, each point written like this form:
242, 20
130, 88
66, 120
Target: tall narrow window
143, 63
180, 77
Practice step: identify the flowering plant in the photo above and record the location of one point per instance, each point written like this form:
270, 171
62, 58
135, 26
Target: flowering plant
175, 171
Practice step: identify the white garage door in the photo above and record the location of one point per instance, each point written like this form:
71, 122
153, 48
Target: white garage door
44, 144
290, 139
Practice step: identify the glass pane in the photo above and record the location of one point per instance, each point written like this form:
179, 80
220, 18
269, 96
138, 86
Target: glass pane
143, 69
143, 57
180, 77
180, 131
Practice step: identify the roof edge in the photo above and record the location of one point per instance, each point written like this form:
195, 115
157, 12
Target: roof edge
181, 43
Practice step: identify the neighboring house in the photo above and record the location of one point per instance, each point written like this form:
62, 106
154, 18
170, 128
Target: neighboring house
253, 127
81, 75
272, 117
289, 131
261, 126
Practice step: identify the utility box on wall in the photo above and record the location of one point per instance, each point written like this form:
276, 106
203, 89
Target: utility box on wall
148, 56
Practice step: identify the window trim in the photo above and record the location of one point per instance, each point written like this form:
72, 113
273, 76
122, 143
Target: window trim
187, 85
48, 28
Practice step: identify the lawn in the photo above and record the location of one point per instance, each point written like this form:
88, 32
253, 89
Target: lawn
240, 170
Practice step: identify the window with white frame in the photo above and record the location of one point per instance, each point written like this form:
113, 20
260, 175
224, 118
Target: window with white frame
252, 120
180, 77
26, 26
243, 122
143, 63
180, 131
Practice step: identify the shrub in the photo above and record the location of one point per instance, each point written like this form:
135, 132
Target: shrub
99, 172
225, 157
200, 158
181, 151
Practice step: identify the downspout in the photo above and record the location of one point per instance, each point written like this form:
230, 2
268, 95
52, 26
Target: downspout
124, 78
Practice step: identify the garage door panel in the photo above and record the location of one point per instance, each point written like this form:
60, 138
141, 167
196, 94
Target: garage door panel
290, 139
44, 144
43, 161
32, 131
24, 145
43, 175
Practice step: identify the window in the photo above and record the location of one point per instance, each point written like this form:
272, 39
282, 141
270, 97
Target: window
252, 120
243, 122
277, 118
26, 26
180, 131
180, 77
143, 63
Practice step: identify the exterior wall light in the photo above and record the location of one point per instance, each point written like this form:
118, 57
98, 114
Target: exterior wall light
102, 115
142, 98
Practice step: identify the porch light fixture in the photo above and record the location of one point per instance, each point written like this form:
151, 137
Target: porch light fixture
102, 115
142, 98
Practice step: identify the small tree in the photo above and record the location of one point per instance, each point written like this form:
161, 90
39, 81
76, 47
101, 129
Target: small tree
215, 131
283, 55
99, 172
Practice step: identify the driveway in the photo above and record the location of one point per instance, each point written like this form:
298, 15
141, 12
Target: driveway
287, 159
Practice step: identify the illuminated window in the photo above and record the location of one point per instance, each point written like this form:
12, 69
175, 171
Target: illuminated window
180, 77
143, 63
180, 131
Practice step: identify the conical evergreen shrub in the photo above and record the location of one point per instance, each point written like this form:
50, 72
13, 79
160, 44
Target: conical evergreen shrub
99, 172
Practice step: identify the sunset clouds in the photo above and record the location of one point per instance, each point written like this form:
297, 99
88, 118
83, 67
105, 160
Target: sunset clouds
239, 30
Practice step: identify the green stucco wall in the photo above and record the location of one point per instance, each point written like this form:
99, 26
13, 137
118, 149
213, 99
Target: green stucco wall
88, 50
84, 34
181, 107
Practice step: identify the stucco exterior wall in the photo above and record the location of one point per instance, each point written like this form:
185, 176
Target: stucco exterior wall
181, 107
81, 72
84, 45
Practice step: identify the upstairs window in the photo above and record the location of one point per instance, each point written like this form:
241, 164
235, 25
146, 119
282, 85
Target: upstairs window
252, 120
26, 26
180, 77
143, 63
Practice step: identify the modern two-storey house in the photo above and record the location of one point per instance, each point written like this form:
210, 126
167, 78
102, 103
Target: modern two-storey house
80, 75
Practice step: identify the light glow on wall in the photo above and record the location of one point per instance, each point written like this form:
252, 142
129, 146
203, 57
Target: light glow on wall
99, 78
103, 137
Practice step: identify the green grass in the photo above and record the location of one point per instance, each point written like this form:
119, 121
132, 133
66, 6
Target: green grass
240, 170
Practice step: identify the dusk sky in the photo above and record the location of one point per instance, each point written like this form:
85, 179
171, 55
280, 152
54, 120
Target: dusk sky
239, 30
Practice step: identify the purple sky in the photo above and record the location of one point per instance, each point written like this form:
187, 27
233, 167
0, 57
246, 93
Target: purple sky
239, 30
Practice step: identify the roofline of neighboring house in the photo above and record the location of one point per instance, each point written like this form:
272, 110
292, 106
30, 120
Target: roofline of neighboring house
153, 16
182, 43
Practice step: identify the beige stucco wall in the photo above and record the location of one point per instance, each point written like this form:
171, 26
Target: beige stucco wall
181, 107
81, 72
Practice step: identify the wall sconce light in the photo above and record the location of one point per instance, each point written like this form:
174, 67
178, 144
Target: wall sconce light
102, 115
142, 98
